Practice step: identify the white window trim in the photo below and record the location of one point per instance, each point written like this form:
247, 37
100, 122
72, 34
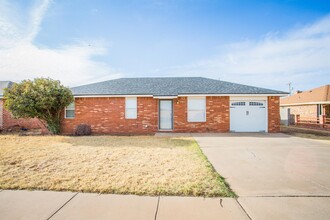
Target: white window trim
131, 98
72, 109
197, 97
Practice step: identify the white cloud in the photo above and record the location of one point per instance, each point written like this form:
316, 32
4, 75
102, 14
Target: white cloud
21, 59
301, 56
36, 17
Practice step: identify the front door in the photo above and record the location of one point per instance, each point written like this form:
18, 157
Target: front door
165, 115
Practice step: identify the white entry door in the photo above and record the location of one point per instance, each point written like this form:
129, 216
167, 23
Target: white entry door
165, 115
248, 116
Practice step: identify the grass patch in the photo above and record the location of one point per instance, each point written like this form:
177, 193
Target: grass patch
142, 165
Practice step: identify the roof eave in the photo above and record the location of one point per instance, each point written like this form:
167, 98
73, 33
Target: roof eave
179, 95
306, 103
236, 94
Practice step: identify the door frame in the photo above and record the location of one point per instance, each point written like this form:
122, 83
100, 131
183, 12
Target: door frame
172, 115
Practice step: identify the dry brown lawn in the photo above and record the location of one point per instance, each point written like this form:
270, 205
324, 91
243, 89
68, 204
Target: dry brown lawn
142, 165
306, 132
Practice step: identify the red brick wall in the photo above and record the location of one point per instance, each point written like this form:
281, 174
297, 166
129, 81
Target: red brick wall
274, 118
8, 121
217, 115
305, 111
107, 116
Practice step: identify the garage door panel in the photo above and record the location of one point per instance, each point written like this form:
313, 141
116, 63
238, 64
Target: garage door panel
248, 116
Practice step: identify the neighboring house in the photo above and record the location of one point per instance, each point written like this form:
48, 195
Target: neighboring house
172, 104
311, 105
7, 122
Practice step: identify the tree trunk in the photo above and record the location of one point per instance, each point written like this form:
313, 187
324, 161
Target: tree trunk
54, 126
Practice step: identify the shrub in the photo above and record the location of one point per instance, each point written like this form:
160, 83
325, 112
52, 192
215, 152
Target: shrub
83, 129
41, 98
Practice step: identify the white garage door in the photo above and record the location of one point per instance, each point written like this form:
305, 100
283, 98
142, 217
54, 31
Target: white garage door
248, 116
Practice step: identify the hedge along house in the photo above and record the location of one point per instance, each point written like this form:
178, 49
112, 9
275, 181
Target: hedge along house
172, 104
8, 123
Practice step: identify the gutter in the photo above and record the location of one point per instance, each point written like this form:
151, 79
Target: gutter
306, 103
175, 96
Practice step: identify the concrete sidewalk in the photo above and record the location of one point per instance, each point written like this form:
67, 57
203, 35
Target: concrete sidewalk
69, 205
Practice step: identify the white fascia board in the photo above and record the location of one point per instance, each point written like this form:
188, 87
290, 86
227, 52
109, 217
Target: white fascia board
306, 103
109, 96
173, 97
165, 97
241, 95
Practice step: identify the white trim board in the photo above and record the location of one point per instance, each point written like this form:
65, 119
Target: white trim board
165, 97
306, 103
239, 95
180, 95
110, 96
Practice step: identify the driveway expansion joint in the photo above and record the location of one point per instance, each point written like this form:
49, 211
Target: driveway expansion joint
157, 207
63, 205
243, 209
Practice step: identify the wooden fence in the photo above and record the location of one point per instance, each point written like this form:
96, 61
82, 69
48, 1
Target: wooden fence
321, 121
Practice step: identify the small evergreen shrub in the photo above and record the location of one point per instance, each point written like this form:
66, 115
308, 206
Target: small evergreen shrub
83, 129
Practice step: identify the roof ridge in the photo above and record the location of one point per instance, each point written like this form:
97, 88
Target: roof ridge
163, 77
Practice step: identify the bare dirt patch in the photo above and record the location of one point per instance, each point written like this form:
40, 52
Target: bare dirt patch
306, 132
108, 164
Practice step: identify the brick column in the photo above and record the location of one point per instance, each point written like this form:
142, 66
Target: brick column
274, 118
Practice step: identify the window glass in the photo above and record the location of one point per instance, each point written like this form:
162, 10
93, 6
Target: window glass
70, 110
69, 113
238, 104
196, 109
131, 108
256, 103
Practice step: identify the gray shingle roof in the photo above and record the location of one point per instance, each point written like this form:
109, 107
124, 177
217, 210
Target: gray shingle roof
3, 85
167, 86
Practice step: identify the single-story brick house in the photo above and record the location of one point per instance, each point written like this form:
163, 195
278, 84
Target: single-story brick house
172, 104
309, 105
7, 122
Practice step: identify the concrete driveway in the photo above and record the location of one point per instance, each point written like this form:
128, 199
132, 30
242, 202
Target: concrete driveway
276, 176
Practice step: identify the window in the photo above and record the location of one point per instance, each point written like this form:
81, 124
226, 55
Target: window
319, 109
196, 109
131, 108
256, 103
238, 104
70, 111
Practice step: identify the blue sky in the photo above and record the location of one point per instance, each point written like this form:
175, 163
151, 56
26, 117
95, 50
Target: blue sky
261, 43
